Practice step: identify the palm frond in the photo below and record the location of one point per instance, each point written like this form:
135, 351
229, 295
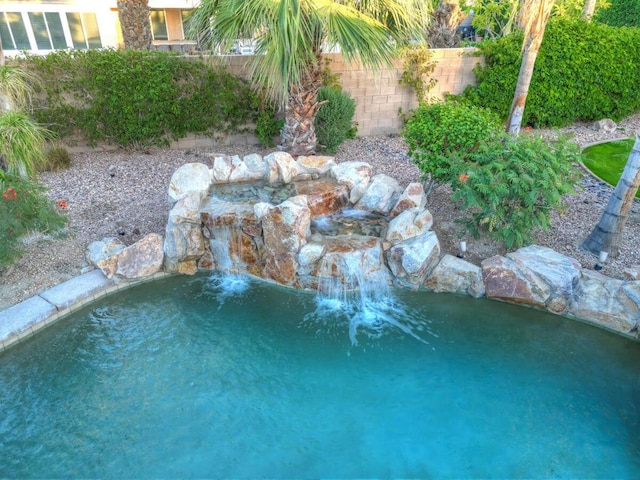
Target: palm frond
16, 87
22, 144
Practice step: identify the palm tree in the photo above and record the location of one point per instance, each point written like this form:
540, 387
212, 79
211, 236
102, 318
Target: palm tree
289, 36
533, 18
589, 8
605, 237
135, 24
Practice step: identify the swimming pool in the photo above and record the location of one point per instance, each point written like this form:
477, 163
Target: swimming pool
222, 377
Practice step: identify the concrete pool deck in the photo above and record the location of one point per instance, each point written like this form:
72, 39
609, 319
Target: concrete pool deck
19, 322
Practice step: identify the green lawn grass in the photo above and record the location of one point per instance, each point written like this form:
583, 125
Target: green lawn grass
607, 160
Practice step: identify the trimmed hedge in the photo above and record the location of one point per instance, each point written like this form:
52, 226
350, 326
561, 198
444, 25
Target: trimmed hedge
621, 13
136, 98
584, 71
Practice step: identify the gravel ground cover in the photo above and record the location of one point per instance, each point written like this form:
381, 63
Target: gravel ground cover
124, 194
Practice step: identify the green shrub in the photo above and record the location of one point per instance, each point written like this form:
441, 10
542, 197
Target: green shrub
268, 123
621, 13
510, 186
584, 71
334, 120
24, 208
57, 158
131, 97
441, 134
22, 144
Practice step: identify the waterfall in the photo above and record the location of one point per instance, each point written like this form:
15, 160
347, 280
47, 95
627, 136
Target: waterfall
230, 278
352, 294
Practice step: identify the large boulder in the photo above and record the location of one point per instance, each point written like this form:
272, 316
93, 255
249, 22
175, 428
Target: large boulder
380, 195
103, 254
352, 262
413, 260
611, 303
559, 272
410, 223
190, 177
324, 196
142, 259
456, 275
184, 243
533, 275
282, 167
235, 235
355, 175
412, 197
316, 164
285, 229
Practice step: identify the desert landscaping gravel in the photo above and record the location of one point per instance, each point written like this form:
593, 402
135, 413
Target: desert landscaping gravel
124, 194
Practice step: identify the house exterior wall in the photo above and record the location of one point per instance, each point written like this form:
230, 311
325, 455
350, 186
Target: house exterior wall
106, 16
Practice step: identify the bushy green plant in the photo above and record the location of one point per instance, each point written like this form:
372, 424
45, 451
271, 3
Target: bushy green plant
584, 71
621, 13
440, 135
57, 158
510, 186
334, 120
268, 123
24, 208
132, 97
22, 144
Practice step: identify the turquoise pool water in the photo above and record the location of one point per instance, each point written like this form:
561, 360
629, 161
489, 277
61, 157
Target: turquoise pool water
201, 378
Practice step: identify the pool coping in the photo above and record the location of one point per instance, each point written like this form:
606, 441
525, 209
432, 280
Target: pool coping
19, 322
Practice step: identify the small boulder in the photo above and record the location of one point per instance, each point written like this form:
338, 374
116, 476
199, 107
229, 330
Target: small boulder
605, 125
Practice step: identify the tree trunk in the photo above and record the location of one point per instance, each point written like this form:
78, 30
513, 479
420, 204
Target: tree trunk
522, 90
135, 24
589, 8
607, 234
298, 136
533, 18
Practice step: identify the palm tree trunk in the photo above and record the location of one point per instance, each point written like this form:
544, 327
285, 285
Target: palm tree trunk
533, 18
298, 136
522, 90
589, 8
135, 24
606, 235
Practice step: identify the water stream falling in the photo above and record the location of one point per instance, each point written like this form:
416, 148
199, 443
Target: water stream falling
360, 298
231, 277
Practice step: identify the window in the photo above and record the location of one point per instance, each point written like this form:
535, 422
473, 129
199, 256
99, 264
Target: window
13, 31
47, 30
159, 25
84, 30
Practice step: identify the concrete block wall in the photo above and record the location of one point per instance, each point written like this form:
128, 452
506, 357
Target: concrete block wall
379, 97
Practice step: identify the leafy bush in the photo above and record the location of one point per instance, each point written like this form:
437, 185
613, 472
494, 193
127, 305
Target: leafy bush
584, 71
268, 123
510, 186
24, 208
133, 97
334, 120
621, 13
442, 134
